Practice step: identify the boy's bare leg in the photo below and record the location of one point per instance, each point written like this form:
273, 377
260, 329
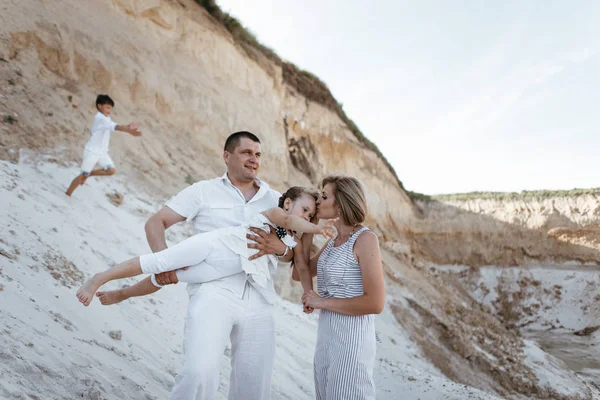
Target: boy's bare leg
83, 178
141, 288
126, 269
103, 172
76, 182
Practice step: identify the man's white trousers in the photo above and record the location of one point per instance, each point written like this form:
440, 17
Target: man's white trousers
214, 314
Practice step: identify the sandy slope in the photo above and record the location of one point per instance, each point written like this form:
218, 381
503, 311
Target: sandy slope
548, 303
51, 347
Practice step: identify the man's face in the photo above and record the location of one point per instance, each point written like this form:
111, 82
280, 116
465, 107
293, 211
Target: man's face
105, 109
243, 163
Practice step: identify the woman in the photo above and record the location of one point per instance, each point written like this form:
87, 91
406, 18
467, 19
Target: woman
350, 290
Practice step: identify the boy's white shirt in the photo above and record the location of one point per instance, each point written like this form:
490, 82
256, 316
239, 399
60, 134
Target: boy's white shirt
101, 130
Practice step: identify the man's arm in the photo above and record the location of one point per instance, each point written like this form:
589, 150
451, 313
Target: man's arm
157, 225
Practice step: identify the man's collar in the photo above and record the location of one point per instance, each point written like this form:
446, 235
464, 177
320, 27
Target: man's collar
263, 187
258, 182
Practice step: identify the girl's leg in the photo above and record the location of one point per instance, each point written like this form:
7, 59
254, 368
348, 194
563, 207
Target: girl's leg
127, 269
206, 272
141, 288
191, 251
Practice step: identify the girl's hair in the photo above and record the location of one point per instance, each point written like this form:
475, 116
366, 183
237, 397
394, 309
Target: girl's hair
296, 192
350, 196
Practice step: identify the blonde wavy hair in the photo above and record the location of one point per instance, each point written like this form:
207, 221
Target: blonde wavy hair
349, 195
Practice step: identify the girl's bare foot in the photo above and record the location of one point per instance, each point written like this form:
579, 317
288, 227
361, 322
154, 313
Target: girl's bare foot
85, 294
111, 297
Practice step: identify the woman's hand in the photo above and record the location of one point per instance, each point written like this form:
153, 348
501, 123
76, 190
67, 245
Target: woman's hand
312, 300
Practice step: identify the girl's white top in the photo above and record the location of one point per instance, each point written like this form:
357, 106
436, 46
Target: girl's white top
262, 269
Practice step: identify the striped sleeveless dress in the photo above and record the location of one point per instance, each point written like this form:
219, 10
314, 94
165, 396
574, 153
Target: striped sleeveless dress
345, 350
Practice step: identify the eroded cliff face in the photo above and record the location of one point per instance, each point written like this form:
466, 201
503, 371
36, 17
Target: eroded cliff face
177, 73
508, 232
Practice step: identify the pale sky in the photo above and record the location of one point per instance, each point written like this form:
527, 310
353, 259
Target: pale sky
458, 95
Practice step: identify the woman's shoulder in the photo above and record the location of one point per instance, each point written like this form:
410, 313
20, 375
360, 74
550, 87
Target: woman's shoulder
366, 238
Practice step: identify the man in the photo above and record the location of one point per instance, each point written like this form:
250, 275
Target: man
229, 306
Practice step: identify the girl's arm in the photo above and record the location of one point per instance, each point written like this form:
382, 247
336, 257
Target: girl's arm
372, 301
294, 223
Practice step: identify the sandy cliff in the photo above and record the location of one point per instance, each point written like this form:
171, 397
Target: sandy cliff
511, 231
179, 74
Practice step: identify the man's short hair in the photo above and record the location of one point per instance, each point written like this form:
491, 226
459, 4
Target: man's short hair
104, 99
233, 140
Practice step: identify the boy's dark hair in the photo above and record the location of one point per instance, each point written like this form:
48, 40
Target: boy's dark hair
104, 99
234, 140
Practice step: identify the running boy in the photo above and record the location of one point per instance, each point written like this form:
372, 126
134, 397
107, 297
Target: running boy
96, 149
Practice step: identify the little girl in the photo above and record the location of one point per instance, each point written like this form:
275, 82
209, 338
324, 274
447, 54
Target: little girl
296, 208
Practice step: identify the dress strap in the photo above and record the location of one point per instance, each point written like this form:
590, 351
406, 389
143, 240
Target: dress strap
356, 234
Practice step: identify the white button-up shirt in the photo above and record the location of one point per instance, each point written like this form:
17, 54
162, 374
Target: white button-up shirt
101, 130
216, 203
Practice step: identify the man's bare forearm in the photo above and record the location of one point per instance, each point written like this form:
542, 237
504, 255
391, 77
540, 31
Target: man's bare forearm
155, 234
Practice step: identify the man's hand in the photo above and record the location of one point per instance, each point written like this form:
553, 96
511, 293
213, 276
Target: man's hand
167, 278
266, 243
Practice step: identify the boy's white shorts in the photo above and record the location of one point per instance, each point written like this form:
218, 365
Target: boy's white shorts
90, 159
